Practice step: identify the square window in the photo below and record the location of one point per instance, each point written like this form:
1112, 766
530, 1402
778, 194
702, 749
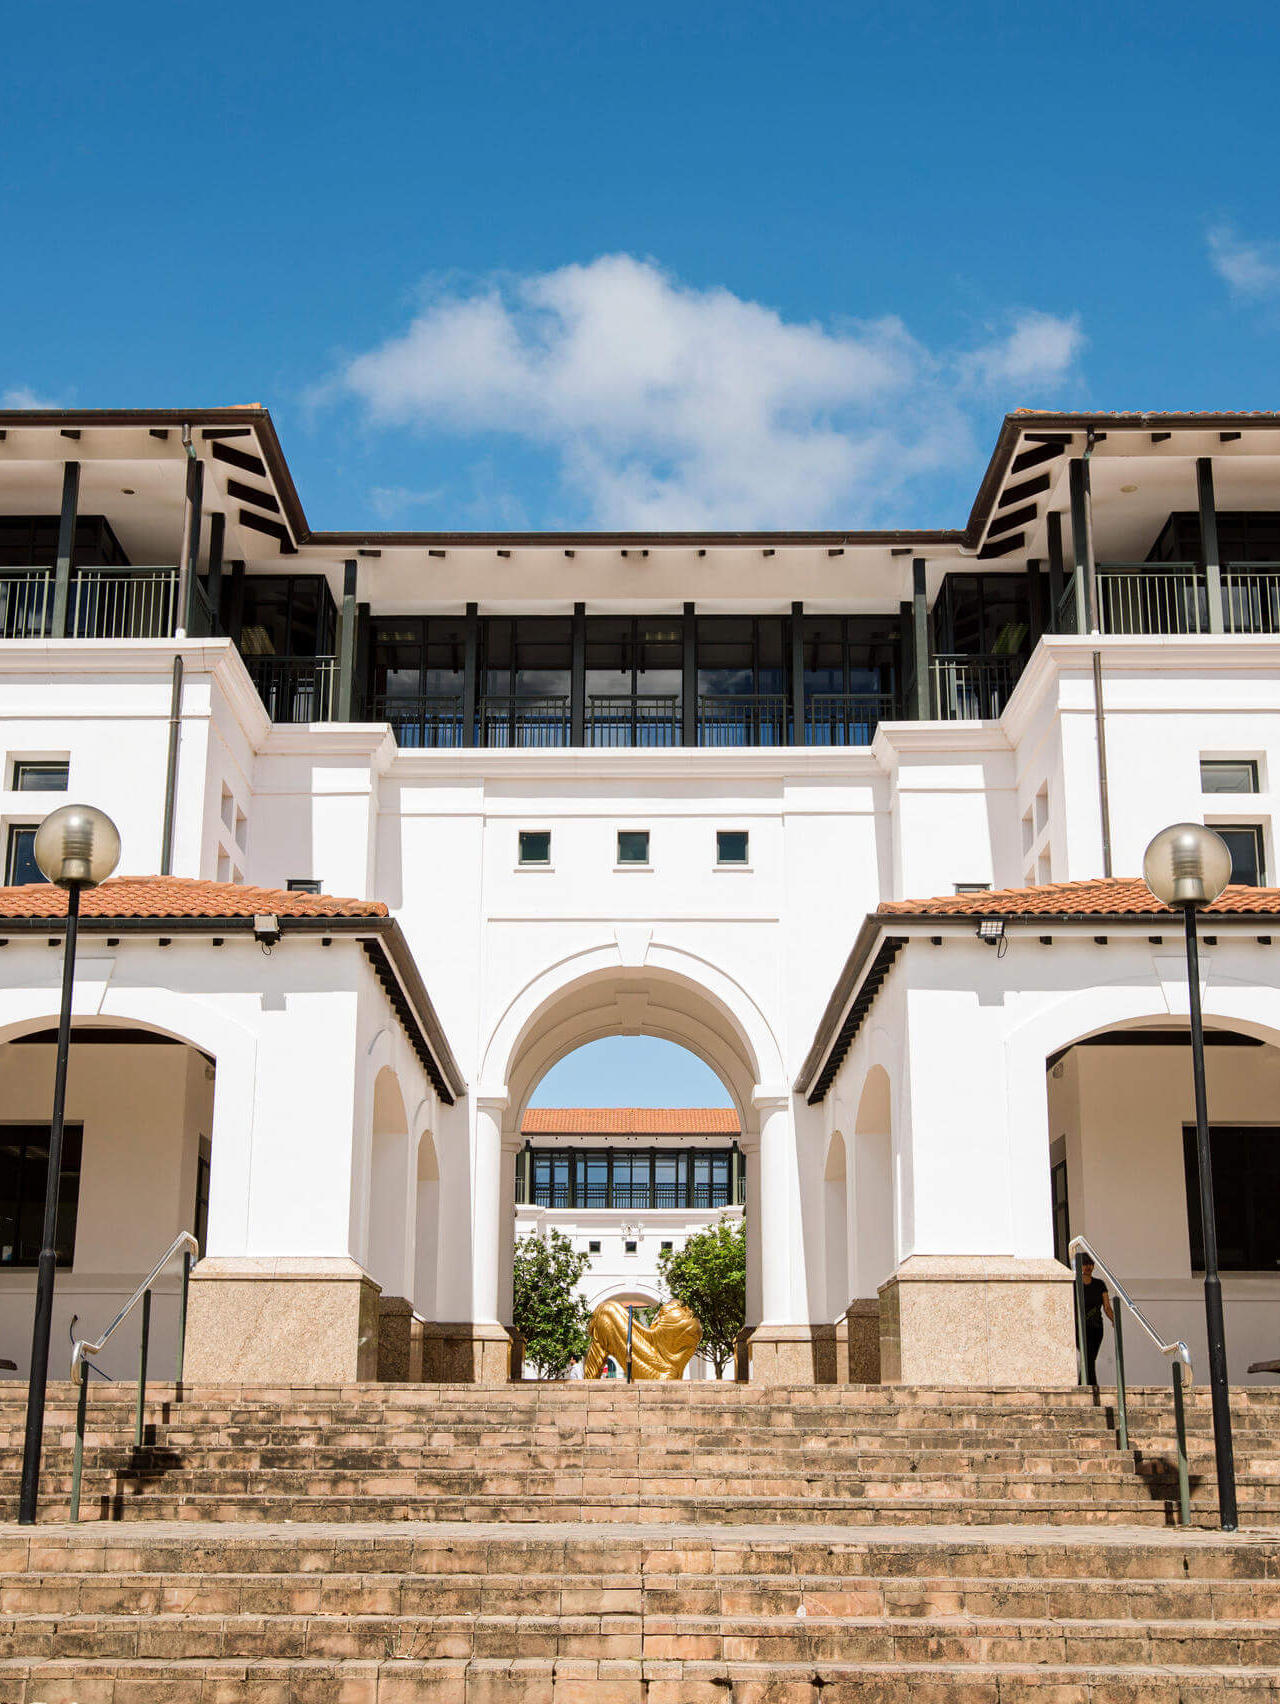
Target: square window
40, 777
1228, 775
629, 1247
303, 884
732, 845
535, 846
633, 845
668, 1248
593, 1248
1244, 842
20, 865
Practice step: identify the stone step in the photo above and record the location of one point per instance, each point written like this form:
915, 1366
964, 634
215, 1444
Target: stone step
569, 1680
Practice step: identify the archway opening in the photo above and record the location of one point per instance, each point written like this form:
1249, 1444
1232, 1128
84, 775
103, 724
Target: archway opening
426, 1241
136, 1164
871, 1188
1123, 1172
390, 1188
630, 1147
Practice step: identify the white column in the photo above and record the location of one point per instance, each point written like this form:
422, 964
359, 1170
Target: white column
486, 1210
507, 1226
782, 1282
750, 1146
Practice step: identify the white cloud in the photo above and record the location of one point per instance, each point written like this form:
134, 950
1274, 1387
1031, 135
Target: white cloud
22, 396
391, 500
1038, 348
1250, 269
668, 406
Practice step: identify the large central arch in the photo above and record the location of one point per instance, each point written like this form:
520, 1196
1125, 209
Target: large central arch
638, 987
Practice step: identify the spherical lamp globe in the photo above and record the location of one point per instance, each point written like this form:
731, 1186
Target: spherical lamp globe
77, 846
1187, 864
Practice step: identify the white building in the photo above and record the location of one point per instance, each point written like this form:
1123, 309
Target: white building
653, 784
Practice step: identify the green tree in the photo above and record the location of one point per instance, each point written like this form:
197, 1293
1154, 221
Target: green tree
548, 1312
709, 1275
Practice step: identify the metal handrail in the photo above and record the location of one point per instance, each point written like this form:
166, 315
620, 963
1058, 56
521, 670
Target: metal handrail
1177, 1354
82, 1349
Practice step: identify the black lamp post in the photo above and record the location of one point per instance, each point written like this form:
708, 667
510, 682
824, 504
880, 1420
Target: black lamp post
1188, 866
76, 847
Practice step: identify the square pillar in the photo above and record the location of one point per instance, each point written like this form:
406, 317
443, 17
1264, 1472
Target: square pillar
281, 1320
980, 1321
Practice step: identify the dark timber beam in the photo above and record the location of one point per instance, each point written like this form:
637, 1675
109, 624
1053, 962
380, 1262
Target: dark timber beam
470, 674
921, 708
689, 678
66, 547
1035, 600
1057, 574
1082, 545
797, 674
1209, 555
346, 683
235, 604
190, 563
578, 678
217, 541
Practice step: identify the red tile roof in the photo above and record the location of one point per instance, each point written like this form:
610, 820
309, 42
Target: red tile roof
1119, 896
630, 1121
179, 896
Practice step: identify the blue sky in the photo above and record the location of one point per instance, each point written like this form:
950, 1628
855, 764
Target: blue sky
723, 264
631, 1070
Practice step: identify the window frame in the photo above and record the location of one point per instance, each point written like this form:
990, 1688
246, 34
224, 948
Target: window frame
527, 863
72, 1151
1241, 1190
1257, 830
26, 766
743, 863
13, 830
1221, 765
303, 884
644, 863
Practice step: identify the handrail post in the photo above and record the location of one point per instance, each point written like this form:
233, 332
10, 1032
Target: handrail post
77, 1460
1180, 1424
1122, 1406
182, 1313
142, 1367
1080, 1342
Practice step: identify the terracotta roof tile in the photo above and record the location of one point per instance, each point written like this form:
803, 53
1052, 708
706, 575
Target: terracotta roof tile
179, 896
630, 1121
1120, 896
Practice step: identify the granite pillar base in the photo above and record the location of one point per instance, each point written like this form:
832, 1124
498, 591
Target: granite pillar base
396, 1341
986, 1321
463, 1353
862, 1342
790, 1354
281, 1321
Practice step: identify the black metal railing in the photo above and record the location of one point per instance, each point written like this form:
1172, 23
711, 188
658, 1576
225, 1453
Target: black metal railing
845, 719
122, 603
634, 1197
26, 602
749, 720
525, 722
420, 724
294, 689
972, 688
1251, 597
642, 719
1173, 598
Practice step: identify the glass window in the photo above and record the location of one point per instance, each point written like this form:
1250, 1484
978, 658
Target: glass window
1244, 842
288, 615
1246, 1186
1228, 775
1061, 1212
593, 1248
24, 1172
726, 656
535, 846
732, 845
303, 884
40, 777
200, 1226
629, 1247
633, 845
20, 865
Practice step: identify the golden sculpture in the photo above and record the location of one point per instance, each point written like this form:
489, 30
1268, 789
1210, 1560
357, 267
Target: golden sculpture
659, 1351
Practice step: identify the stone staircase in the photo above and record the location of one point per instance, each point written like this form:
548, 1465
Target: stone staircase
643, 1545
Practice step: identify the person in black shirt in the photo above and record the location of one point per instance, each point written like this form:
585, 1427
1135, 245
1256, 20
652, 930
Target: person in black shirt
1097, 1301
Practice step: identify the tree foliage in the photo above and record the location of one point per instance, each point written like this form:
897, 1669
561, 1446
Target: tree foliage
709, 1275
548, 1312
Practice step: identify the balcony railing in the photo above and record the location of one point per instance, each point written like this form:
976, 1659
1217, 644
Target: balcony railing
643, 720
525, 722
26, 602
420, 724
294, 689
1173, 598
842, 719
634, 1197
742, 721
972, 688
